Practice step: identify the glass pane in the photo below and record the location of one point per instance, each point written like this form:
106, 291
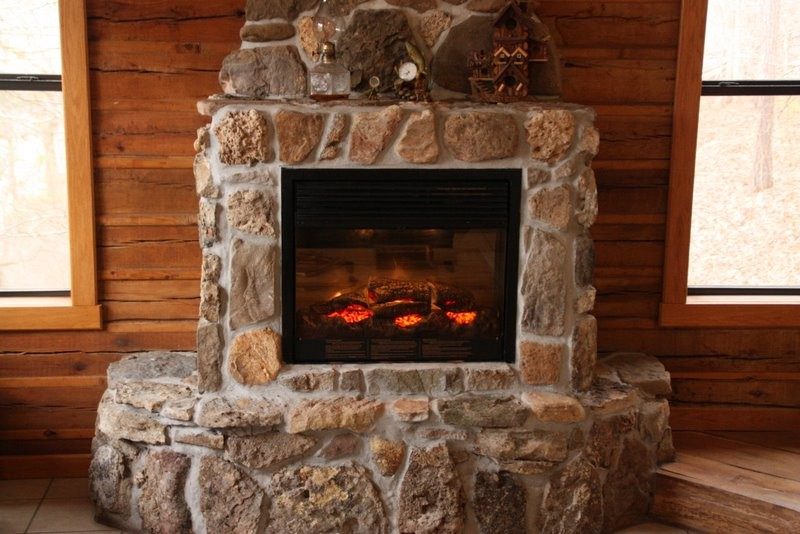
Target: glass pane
34, 241
745, 216
29, 37
752, 40
399, 294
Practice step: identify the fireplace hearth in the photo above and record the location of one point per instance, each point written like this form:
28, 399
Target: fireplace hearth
399, 265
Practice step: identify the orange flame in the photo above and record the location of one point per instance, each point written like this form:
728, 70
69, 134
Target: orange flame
407, 321
352, 314
462, 318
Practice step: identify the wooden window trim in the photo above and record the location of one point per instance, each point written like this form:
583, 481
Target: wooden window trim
81, 311
678, 309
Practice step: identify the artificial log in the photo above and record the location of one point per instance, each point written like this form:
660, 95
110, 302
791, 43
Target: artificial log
340, 303
399, 308
384, 290
451, 298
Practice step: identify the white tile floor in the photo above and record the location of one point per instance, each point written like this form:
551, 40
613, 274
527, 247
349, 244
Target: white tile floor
62, 505
54, 506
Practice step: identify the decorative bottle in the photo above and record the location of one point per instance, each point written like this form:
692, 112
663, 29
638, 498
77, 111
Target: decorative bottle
328, 80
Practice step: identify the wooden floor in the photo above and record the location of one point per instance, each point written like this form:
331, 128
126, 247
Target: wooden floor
732, 482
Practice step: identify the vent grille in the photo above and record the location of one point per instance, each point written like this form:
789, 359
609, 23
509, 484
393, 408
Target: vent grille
391, 198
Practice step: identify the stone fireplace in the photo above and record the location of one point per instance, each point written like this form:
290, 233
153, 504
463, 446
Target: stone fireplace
422, 363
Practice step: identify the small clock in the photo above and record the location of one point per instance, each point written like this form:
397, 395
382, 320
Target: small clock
408, 71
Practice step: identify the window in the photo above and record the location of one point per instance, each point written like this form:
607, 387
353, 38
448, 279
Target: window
47, 270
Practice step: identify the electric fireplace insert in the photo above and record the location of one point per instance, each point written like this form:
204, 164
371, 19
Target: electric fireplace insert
383, 265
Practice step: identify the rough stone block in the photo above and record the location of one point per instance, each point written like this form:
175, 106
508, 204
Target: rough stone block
584, 260
408, 381
411, 410
209, 356
351, 413
251, 211
150, 395
230, 501
433, 24
387, 455
418, 142
336, 134
308, 381
351, 380
544, 286
481, 136
606, 397
122, 422
110, 484
264, 450
537, 445
500, 503
573, 500
489, 412
152, 365
552, 206
487, 378
584, 352
641, 371
276, 9
255, 357
222, 412
341, 445
207, 223
550, 134
262, 72
162, 505
266, 32
586, 208
553, 407
253, 281
199, 438
540, 363
372, 132
245, 138
298, 134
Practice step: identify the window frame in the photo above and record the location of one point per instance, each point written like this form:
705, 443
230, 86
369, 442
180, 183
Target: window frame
678, 308
81, 310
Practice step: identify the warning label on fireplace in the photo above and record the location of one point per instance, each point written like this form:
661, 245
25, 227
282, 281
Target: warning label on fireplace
440, 348
345, 348
394, 348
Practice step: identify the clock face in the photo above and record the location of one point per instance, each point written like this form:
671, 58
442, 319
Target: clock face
408, 71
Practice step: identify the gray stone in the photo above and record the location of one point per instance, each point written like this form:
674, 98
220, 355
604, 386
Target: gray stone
326, 499
544, 286
604, 442
451, 68
110, 484
245, 138
251, 211
437, 433
641, 371
489, 412
276, 9
526, 467
585, 300
584, 260
265, 450
341, 445
307, 381
207, 223
487, 378
538, 445
404, 381
627, 490
540, 363
552, 206
499, 503
537, 176
253, 276
162, 505
573, 501
210, 302
432, 24
550, 134
254, 357
200, 438
270, 31
372, 44
654, 420
387, 455
554, 407
298, 134
431, 499
351, 380
418, 143
209, 356
584, 352
607, 397
122, 422
586, 208
351, 413
481, 136
230, 501
221, 412
150, 395
372, 132
266, 71
151, 365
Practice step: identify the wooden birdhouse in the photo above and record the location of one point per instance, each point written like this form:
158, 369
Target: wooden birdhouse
517, 40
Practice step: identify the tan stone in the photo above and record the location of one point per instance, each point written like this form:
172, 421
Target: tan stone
250, 211
229, 499
372, 132
298, 134
584, 352
537, 445
483, 411
270, 31
253, 276
642, 371
589, 143
200, 438
586, 209
351, 380
341, 445
255, 357
265, 450
245, 138
387, 455
223, 412
487, 378
351, 413
308, 39
150, 395
607, 397
203, 139
553, 407
210, 302
585, 300
209, 356
162, 502
122, 422
432, 24
211, 268
204, 183
411, 410
481, 136
336, 133
207, 223
552, 206
540, 363
307, 381
179, 409
573, 500
550, 134
544, 285
437, 433
537, 176
418, 142
431, 498
654, 420
584, 259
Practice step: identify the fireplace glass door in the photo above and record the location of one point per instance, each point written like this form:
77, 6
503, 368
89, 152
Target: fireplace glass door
399, 265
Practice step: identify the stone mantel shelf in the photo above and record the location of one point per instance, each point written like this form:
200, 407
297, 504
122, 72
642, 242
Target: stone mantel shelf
209, 106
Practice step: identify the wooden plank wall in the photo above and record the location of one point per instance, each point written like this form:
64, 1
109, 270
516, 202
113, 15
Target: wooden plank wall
151, 61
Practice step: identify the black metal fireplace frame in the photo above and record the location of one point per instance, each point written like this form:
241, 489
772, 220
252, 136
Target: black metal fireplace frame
390, 179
